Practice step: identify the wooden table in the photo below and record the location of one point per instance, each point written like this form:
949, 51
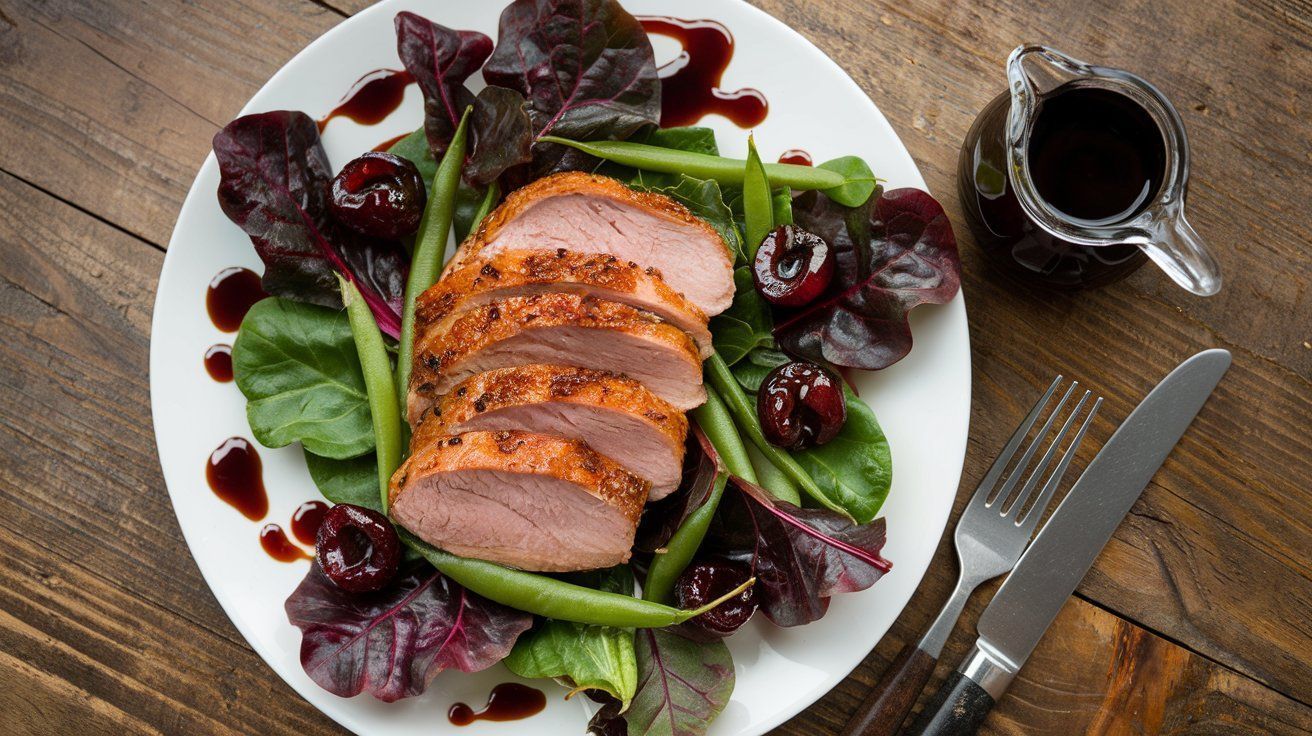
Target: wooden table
1196, 619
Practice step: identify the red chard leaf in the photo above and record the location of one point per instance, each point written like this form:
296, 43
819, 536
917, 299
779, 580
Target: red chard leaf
440, 60
392, 644
894, 253
682, 686
273, 183
800, 557
585, 66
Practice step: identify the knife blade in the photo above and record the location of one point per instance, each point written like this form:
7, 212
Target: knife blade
1067, 545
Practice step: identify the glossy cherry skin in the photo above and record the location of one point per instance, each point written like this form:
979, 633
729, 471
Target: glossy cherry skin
378, 195
792, 267
357, 548
800, 405
707, 580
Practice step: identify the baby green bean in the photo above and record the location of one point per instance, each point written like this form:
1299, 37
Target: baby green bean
547, 596
377, 369
701, 165
485, 207
430, 243
775, 480
668, 566
758, 207
744, 414
717, 424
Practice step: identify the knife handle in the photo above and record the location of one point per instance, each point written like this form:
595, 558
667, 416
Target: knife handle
889, 703
958, 709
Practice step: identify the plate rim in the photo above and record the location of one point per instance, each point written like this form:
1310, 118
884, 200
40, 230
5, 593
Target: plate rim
344, 717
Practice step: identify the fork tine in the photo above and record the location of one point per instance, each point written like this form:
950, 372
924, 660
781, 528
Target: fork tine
1031, 518
1037, 474
990, 480
1014, 478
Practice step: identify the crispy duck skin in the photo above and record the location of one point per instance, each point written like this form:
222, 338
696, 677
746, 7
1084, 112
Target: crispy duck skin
531, 501
529, 272
586, 213
554, 328
613, 415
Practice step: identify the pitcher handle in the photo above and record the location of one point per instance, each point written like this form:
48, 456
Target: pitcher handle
1178, 250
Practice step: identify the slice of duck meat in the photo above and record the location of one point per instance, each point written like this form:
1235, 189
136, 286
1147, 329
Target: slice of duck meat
596, 214
527, 500
615, 416
529, 272
561, 329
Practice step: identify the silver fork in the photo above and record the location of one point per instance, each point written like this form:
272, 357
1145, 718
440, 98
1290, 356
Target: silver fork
991, 535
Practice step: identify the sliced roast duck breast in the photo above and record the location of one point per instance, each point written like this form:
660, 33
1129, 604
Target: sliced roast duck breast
561, 329
613, 415
529, 272
531, 501
586, 213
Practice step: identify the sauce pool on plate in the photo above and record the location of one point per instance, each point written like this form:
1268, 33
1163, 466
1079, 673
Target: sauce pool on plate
509, 701
218, 362
230, 295
690, 85
236, 475
278, 546
306, 521
372, 98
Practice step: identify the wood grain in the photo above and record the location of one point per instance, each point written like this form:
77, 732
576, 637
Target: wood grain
1193, 621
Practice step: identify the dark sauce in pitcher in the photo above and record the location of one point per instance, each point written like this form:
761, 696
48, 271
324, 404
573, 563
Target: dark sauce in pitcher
1095, 155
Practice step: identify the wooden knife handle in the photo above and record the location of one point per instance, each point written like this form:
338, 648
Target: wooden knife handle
958, 709
889, 703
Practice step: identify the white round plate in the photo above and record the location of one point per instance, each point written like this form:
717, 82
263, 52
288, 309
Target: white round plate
923, 402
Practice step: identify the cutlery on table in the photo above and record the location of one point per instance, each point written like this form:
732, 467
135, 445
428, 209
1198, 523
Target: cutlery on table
990, 536
1066, 547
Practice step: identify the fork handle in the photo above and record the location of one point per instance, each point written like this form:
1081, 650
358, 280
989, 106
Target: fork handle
887, 705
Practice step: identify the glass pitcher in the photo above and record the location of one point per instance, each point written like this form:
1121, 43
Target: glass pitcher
1022, 231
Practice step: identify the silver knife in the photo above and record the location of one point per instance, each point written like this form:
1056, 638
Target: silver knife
1066, 547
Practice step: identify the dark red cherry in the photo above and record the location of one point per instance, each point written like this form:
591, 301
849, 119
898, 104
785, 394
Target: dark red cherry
706, 581
800, 405
357, 548
793, 266
379, 195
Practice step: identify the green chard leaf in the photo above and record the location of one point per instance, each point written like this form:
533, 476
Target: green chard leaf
297, 366
581, 656
856, 467
859, 181
353, 481
751, 371
746, 324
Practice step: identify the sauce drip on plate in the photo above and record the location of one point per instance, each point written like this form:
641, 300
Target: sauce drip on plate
278, 546
690, 84
509, 701
236, 475
386, 145
218, 362
795, 156
372, 98
306, 521
230, 295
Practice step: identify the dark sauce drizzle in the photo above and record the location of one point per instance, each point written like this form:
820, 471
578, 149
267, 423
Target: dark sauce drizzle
236, 475
372, 98
218, 362
795, 156
278, 546
230, 295
509, 701
690, 84
386, 145
306, 521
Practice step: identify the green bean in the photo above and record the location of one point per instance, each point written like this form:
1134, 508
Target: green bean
430, 243
377, 369
775, 480
546, 596
702, 165
668, 566
744, 415
758, 204
717, 424
485, 207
